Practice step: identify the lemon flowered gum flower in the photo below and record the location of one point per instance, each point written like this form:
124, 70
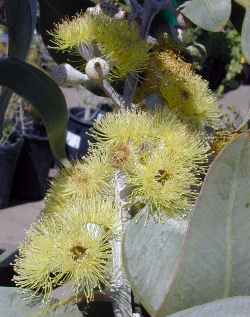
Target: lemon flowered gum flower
83, 180
188, 146
185, 92
35, 265
84, 259
99, 211
123, 127
119, 41
80, 253
162, 183
120, 134
161, 157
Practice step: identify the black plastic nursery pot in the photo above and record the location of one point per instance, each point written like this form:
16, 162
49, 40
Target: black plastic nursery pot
105, 308
97, 308
7, 256
9, 154
35, 160
77, 140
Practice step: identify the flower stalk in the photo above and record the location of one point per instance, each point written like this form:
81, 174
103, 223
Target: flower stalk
121, 290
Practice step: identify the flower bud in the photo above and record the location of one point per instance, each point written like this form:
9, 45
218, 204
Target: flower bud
97, 69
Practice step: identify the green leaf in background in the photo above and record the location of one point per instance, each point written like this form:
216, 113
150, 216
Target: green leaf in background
211, 15
245, 36
151, 252
44, 94
215, 260
12, 305
229, 307
21, 17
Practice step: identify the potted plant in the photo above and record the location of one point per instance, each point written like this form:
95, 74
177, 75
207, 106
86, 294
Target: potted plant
31, 176
10, 148
7, 255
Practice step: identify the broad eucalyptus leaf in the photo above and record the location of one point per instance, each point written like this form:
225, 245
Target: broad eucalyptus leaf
44, 94
211, 15
229, 307
151, 252
21, 17
13, 305
245, 35
214, 262
21, 20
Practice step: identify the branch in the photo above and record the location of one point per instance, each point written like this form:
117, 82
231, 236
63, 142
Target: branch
121, 291
111, 92
130, 89
65, 74
88, 52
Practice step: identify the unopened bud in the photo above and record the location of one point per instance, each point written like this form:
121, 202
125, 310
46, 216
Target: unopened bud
97, 69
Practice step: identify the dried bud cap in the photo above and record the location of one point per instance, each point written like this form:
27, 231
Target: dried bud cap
97, 69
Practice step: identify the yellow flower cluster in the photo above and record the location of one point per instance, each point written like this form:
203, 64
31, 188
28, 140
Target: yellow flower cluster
83, 180
73, 246
119, 42
185, 93
162, 160
160, 156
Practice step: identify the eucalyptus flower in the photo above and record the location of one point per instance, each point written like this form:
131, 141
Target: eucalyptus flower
185, 93
162, 158
72, 247
99, 212
34, 266
188, 146
118, 41
162, 183
83, 180
119, 135
84, 258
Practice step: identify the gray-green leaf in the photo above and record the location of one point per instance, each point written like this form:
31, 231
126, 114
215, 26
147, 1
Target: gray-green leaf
245, 36
229, 307
150, 255
44, 94
211, 15
13, 305
215, 260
